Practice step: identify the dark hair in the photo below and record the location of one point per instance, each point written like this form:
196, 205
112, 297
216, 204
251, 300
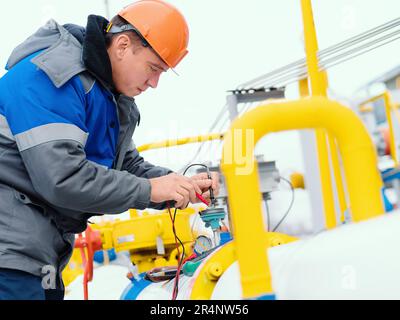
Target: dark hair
133, 36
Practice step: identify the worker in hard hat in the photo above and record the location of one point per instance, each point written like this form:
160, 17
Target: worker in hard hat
67, 116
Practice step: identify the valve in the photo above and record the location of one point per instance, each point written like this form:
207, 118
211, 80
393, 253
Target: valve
88, 245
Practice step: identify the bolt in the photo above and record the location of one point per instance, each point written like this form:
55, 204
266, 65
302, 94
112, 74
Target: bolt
214, 271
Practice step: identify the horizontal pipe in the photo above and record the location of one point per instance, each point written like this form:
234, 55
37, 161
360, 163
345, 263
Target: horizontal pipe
181, 141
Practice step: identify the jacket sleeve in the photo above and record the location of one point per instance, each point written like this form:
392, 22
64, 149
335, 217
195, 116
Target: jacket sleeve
49, 128
136, 165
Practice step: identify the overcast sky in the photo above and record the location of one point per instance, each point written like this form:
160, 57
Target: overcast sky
231, 41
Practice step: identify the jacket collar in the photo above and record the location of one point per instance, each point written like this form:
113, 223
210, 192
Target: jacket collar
95, 55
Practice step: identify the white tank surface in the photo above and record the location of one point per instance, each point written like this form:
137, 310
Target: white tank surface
164, 290
354, 261
109, 281
298, 221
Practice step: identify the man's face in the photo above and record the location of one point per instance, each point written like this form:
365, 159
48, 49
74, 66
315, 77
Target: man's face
134, 68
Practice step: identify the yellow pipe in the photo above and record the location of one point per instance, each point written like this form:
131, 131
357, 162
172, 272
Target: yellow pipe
181, 141
203, 287
365, 109
388, 107
319, 84
326, 179
324, 168
359, 160
363, 104
317, 78
338, 178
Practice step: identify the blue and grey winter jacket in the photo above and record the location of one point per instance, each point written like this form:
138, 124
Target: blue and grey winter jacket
66, 150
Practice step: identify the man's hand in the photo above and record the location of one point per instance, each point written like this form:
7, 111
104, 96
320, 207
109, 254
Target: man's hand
204, 184
177, 188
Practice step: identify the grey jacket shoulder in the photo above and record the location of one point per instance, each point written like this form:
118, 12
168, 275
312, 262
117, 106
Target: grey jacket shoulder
62, 58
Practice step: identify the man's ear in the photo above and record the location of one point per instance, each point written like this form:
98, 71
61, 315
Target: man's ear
122, 43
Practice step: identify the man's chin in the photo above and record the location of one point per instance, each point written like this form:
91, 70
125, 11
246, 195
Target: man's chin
136, 92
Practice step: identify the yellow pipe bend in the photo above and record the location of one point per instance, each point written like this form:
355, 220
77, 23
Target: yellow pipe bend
360, 167
203, 286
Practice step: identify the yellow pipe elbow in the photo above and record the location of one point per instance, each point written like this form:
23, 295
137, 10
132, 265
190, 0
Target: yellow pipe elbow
359, 160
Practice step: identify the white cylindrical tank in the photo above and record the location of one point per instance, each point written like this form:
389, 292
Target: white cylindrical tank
354, 261
108, 283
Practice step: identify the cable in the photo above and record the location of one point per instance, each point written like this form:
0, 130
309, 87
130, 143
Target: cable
208, 171
362, 36
359, 48
324, 64
298, 69
220, 116
300, 64
180, 262
196, 164
182, 258
361, 53
290, 206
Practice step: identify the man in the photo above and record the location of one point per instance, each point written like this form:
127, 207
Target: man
67, 116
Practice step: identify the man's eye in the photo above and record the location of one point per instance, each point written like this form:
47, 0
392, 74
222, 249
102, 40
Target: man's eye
153, 69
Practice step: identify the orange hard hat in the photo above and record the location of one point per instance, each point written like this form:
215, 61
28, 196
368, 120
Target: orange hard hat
162, 26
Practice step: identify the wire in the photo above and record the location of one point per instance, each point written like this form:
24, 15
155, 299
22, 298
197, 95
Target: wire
290, 206
361, 53
196, 164
297, 70
215, 123
180, 263
300, 64
208, 171
182, 257
362, 36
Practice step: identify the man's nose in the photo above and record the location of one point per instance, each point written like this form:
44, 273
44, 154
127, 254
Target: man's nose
153, 81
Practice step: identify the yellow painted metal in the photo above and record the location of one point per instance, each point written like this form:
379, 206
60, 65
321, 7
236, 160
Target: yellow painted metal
214, 271
138, 235
388, 110
297, 180
319, 85
326, 178
181, 141
318, 79
324, 167
147, 259
141, 232
337, 172
364, 107
398, 82
133, 213
360, 167
74, 268
303, 88
206, 276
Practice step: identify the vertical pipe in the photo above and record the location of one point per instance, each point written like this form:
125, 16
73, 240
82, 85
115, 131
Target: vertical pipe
319, 84
388, 110
324, 169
